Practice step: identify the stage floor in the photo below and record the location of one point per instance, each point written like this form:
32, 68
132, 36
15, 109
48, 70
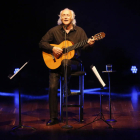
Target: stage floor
125, 107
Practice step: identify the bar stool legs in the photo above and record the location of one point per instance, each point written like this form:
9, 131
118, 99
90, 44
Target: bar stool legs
80, 94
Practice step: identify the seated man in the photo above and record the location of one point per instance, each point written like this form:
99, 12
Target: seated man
56, 35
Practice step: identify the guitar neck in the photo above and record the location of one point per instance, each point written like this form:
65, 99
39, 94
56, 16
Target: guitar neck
77, 45
98, 36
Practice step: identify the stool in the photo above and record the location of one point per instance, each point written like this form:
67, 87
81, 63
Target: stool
80, 93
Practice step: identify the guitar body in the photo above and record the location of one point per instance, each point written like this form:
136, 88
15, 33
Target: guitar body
53, 61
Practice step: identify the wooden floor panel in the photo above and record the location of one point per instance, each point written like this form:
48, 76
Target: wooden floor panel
35, 113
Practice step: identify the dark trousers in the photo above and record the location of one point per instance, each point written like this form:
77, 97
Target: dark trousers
54, 76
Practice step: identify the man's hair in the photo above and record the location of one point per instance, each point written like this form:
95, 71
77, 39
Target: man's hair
73, 17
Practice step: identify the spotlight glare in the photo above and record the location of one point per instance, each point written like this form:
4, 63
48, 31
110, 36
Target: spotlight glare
134, 69
16, 70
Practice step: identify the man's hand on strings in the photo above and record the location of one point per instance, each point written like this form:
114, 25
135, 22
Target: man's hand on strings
57, 50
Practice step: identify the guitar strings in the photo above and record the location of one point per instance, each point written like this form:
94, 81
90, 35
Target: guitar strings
82, 43
77, 45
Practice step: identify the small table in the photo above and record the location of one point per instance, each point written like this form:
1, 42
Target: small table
109, 120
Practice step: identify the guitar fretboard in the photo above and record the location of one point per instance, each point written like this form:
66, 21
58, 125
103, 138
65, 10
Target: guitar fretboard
77, 45
96, 37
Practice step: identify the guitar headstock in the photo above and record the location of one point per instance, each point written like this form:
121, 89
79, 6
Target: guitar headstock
99, 36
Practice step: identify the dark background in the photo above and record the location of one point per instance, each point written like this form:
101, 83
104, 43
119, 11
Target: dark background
24, 22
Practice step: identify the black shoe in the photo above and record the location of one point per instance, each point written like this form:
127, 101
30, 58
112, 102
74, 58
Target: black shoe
52, 121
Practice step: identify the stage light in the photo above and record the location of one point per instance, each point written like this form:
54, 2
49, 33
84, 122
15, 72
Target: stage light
16, 70
134, 69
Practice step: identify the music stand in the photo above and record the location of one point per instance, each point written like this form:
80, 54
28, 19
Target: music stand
20, 126
103, 85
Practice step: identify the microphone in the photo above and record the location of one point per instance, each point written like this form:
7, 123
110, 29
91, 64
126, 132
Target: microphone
65, 26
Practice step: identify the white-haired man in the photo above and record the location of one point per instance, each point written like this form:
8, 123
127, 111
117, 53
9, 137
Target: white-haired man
56, 35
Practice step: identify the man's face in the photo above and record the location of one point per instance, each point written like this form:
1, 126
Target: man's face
66, 17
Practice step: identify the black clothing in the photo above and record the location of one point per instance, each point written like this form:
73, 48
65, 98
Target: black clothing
54, 77
56, 35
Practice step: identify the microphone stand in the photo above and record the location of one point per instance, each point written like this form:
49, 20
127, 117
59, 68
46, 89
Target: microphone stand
65, 83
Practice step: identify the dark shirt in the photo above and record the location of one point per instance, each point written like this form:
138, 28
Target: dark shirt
56, 35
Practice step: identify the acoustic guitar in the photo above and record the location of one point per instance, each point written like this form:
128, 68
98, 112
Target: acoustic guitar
53, 61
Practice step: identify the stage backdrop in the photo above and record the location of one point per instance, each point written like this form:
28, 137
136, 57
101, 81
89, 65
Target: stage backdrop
25, 22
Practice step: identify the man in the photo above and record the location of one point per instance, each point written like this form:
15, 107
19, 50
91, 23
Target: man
56, 35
